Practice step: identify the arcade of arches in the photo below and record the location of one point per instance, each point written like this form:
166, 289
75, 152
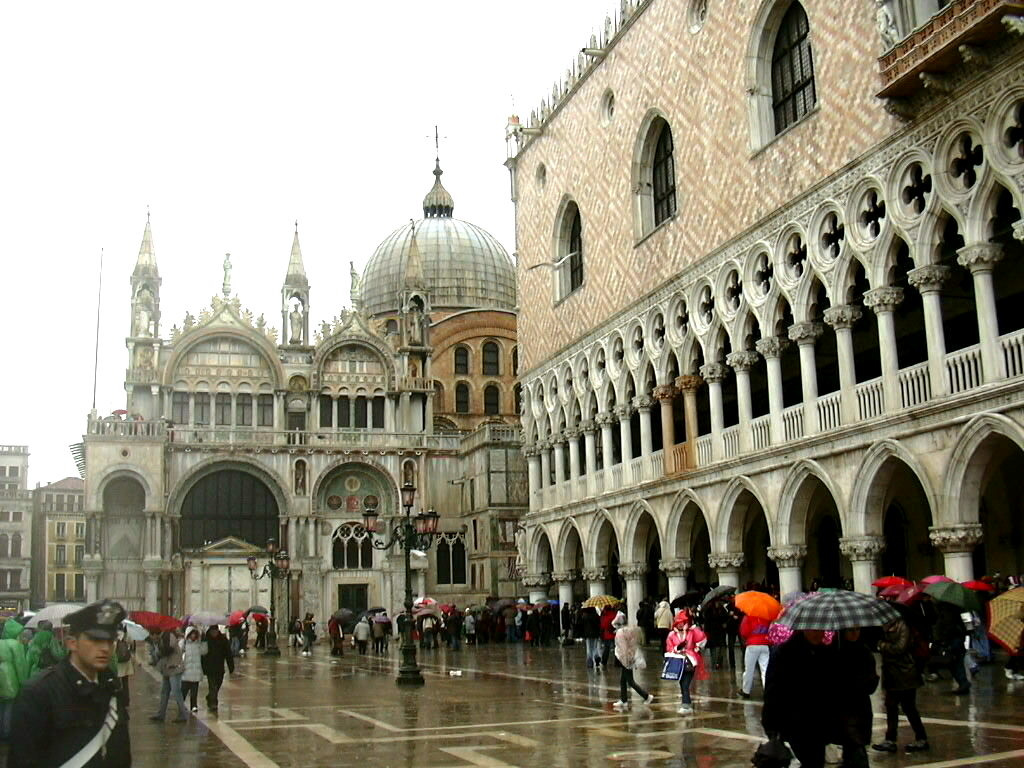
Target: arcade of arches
881, 510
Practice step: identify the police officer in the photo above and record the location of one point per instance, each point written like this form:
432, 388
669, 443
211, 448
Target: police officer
71, 713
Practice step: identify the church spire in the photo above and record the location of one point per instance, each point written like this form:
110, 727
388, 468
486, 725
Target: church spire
145, 265
296, 275
295, 298
438, 204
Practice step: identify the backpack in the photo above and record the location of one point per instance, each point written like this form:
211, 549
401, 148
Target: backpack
123, 651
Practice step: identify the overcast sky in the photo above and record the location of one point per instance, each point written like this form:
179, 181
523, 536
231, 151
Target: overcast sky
231, 120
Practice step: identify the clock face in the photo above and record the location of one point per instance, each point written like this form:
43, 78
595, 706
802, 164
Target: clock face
334, 502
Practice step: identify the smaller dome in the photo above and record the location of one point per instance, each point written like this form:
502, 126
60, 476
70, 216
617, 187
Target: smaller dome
438, 203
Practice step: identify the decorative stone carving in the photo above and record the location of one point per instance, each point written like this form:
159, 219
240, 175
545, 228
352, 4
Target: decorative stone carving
226, 287
930, 277
632, 571
537, 580
862, 548
884, 299
571, 435
689, 383
887, 30
843, 316
714, 373
296, 325
771, 346
530, 451
643, 402
605, 419
665, 392
565, 577
789, 556
980, 257
725, 560
678, 567
623, 412
956, 538
805, 333
594, 574
544, 446
588, 427
742, 361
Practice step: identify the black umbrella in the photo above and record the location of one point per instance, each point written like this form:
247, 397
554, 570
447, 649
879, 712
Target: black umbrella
342, 615
685, 601
720, 591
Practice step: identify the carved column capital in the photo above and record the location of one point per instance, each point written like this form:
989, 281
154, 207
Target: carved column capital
536, 580
771, 346
565, 577
688, 383
714, 373
544, 446
956, 538
789, 556
531, 451
605, 419
643, 402
930, 278
665, 392
861, 548
632, 571
725, 560
742, 361
843, 316
805, 333
571, 435
678, 567
1018, 229
979, 257
557, 438
884, 299
594, 574
623, 412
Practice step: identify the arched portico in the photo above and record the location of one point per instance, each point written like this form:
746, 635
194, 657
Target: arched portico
602, 575
809, 530
642, 566
743, 537
688, 534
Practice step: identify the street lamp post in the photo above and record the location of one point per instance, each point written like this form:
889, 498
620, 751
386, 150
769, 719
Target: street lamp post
277, 567
409, 533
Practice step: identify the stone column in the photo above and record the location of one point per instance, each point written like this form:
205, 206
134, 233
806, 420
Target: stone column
981, 259
805, 335
676, 570
311, 537
741, 363
564, 580
842, 317
863, 552
572, 436
771, 349
605, 419
558, 456
665, 394
293, 538
929, 280
597, 580
537, 584
152, 576
790, 560
588, 428
545, 463
93, 567
533, 463
714, 374
643, 405
634, 574
883, 301
623, 414
689, 385
728, 565
957, 543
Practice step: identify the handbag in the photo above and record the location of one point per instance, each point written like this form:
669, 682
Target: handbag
772, 754
675, 666
639, 661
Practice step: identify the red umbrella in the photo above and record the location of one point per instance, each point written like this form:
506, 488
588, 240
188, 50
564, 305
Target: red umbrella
937, 579
154, 622
979, 586
236, 618
892, 581
905, 595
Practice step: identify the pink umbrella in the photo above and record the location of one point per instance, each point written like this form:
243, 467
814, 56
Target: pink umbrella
936, 579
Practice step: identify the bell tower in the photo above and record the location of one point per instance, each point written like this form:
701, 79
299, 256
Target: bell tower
142, 384
295, 299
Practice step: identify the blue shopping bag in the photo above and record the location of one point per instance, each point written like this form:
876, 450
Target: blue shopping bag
675, 665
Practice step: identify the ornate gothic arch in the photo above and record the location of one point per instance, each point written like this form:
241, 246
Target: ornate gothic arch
377, 346
794, 502
630, 552
115, 472
538, 538
865, 513
217, 463
562, 560
595, 542
968, 464
726, 539
258, 341
388, 483
681, 526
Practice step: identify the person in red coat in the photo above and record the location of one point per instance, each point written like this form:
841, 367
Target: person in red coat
688, 639
754, 632
607, 633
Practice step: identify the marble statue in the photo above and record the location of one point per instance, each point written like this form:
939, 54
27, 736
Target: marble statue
520, 547
356, 287
295, 321
886, 20
226, 287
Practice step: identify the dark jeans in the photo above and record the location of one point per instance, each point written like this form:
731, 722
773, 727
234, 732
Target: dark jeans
214, 683
908, 700
191, 690
361, 645
378, 645
684, 684
626, 682
607, 646
956, 668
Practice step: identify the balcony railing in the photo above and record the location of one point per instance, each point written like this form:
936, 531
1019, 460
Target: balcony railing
870, 399
354, 438
793, 422
934, 47
830, 412
915, 387
761, 430
731, 442
139, 430
963, 369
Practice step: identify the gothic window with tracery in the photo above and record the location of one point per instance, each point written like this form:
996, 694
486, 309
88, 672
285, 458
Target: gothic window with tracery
663, 177
793, 93
351, 548
451, 558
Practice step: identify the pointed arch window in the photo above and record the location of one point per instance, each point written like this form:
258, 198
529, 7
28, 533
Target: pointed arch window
462, 361
663, 178
517, 393
451, 558
793, 92
569, 261
351, 548
492, 400
462, 397
491, 359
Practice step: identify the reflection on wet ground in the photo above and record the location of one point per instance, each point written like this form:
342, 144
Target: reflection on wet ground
518, 707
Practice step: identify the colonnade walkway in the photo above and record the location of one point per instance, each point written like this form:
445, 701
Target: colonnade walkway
517, 706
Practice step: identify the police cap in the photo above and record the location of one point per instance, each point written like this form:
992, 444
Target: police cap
99, 620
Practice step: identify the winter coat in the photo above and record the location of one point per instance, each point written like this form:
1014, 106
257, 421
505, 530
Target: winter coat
362, 631
192, 657
218, 653
43, 651
627, 646
900, 672
663, 615
800, 692
754, 631
591, 624
171, 661
607, 617
14, 666
857, 681
949, 632
690, 642
470, 624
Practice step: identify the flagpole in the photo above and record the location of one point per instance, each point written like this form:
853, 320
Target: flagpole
96, 353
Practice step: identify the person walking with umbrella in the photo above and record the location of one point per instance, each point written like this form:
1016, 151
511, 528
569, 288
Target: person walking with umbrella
631, 657
592, 636
308, 634
689, 640
948, 650
218, 655
901, 677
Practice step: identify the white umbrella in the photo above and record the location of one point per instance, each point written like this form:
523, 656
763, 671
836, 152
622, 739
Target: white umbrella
135, 631
54, 614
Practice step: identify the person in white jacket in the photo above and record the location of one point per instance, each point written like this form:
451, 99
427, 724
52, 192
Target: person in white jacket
663, 621
193, 650
630, 656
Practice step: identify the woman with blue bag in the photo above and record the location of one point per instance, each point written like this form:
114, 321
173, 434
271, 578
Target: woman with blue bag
683, 659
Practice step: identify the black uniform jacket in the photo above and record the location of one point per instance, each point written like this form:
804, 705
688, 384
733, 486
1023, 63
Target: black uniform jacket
58, 713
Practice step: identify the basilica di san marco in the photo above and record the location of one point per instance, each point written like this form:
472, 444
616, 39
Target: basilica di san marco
722, 466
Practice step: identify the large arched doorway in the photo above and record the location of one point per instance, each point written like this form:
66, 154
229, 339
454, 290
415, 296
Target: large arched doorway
748, 533
607, 550
816, 522
572, 561
122, 538
228, 502
1001, 464
693, 544
906, 520
647, 550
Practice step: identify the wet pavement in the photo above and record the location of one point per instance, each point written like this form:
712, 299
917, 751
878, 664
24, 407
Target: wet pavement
516, 706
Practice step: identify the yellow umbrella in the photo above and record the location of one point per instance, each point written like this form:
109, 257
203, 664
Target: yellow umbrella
600, 601
1006, 619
